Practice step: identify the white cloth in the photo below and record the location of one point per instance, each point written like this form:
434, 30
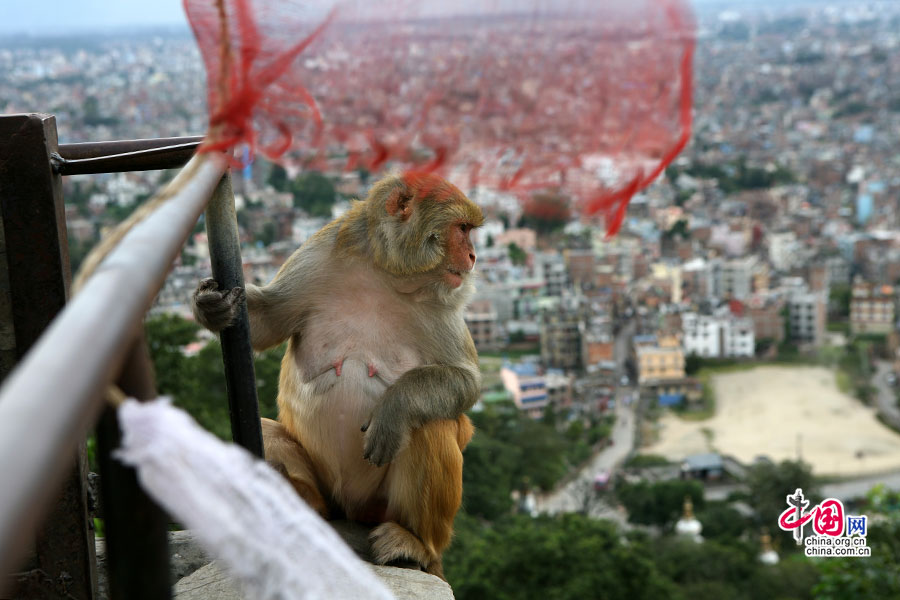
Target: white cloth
240, 509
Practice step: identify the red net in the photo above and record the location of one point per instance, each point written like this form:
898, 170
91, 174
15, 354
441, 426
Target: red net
589, 100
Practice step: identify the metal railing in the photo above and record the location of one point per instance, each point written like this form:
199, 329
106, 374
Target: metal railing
54, 396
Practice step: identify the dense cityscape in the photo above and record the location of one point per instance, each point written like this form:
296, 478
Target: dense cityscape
737, 339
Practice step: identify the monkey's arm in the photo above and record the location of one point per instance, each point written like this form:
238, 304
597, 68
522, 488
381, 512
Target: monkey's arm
277, 309
271, 316
420, 395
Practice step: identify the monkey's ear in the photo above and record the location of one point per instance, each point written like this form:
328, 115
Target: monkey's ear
399, 203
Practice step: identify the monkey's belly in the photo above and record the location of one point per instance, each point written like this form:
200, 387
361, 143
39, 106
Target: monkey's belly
329, 411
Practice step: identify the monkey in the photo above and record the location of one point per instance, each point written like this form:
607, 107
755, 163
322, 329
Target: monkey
380, 366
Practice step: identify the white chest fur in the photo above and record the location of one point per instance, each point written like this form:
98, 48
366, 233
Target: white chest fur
358, 319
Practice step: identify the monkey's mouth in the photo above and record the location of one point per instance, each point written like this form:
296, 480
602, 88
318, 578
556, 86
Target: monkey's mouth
454, 278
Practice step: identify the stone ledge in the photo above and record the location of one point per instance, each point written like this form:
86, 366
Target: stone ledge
210, 582
196, 577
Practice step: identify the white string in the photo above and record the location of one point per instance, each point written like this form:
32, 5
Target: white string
240, 509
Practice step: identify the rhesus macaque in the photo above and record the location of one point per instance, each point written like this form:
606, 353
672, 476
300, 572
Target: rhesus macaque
379, 367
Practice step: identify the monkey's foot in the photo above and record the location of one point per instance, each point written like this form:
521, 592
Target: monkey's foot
395, 545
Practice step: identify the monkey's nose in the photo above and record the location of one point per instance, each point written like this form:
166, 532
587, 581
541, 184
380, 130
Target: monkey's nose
472, 257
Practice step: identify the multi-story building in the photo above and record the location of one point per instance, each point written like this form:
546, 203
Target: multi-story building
838, 269
597, 343
481, 319
581, 267
560, 335
765, 310
532, 391
697, 281
733, 279
807, 314
559, 388
871, 308
783, 250
702, 335
738, 337
669, 275
553, 268
817, 276
526, 239
717, 336
659, 359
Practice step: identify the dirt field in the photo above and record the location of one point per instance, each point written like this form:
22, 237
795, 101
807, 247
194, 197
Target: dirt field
774, 410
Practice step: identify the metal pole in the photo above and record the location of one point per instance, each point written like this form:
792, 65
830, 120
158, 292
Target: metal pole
34, 279
84, 150
137, 553
124, 155
84, 348
237, 353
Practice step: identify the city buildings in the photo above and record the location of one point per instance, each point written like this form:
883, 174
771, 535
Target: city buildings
872, 308
788, 189
481, 319
659, 359
718, 336
807, 312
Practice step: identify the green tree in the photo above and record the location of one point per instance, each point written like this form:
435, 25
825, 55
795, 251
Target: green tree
770, 483
876, 576
659, 503
730, 569
268, 368
204, 395
572, 556
268, 234
278, 178
490, 467
197, 383
692, 364
547, 558
314, 193
532, 452
696, 566
679, 229
516, 254
839, 299
166, 336
545, 213
722, 522
78, 251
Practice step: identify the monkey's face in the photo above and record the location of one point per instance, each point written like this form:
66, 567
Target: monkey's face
419, 227
459, 254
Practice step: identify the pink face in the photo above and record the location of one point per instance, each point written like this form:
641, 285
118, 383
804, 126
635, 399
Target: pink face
460, 254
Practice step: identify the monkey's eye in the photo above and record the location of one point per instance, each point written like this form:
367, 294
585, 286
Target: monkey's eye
464, 227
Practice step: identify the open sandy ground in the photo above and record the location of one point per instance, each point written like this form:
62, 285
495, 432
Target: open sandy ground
772, 411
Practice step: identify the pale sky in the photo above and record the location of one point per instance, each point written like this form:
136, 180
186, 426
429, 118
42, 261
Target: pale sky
73, 16
65, 16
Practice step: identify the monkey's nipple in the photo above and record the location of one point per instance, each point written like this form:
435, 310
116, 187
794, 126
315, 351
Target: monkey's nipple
338, 365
